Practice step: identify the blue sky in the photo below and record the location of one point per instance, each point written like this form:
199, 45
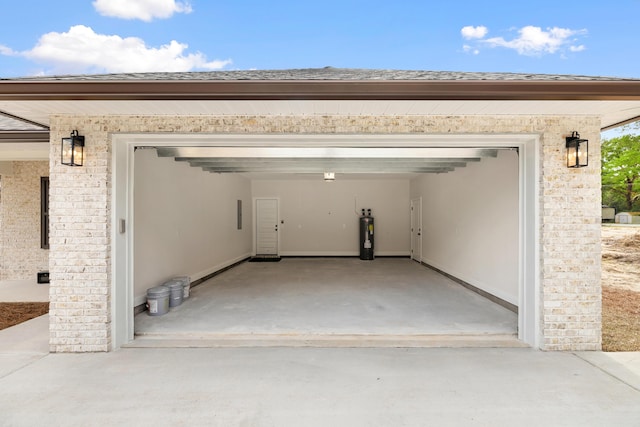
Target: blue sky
104, 36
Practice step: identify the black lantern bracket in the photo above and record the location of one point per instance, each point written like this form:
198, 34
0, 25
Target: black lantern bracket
73, 150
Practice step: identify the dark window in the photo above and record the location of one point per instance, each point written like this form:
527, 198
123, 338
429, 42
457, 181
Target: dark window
44, 212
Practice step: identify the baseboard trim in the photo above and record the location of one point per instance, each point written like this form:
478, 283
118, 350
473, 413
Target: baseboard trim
142, 307
215, 273
328, 254
342, 256
481, 292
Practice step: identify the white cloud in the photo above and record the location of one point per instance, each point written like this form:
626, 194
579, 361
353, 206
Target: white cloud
536, 41
470, 32
7, 51
81, 50
145, 10
470, 49
531, 40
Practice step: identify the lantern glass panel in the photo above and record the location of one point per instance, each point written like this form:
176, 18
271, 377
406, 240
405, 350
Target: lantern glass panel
67, 151
78, 148
577, 153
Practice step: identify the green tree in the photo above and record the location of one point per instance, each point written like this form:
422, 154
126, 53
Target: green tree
621, 171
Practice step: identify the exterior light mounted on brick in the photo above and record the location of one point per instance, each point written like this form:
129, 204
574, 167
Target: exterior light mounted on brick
73, 150
577, 151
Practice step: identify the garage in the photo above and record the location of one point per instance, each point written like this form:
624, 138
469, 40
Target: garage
447, 247
94, 257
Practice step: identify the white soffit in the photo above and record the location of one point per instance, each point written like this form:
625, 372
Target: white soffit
611, 112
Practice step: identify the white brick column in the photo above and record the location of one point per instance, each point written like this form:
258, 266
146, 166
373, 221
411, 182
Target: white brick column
79, 264
571, 245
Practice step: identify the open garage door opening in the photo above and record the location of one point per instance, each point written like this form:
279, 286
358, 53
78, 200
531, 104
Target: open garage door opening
192, 218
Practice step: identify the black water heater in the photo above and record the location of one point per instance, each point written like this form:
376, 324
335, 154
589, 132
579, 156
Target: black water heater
366, 235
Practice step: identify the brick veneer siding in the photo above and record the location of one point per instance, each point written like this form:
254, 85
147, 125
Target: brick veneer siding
21, 256
569, 205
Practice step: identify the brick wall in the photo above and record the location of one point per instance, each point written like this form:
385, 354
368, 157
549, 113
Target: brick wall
20, 254
569, 229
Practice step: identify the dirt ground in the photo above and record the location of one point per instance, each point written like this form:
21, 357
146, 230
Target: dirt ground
620, 288
12, 313
621, 257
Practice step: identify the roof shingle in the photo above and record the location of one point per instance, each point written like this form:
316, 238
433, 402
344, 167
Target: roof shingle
327, 73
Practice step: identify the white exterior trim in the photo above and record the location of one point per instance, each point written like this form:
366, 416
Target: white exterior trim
529, 329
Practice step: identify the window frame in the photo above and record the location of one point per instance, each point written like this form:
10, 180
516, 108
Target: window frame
44, 212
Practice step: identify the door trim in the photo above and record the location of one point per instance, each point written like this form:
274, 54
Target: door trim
255, 222
416, 202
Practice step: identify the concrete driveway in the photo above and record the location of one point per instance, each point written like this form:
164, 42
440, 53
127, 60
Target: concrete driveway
275, 386
312, 386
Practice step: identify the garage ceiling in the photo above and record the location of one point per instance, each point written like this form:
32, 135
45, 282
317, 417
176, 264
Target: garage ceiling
317, 160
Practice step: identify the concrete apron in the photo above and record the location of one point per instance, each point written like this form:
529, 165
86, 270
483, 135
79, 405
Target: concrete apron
330, 303
325, 341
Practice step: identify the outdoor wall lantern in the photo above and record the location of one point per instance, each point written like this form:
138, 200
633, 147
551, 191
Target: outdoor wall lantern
577, 151
73, 149
329, 176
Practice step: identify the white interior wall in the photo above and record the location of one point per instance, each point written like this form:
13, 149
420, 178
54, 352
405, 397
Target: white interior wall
320, 217
470, 223
185, 221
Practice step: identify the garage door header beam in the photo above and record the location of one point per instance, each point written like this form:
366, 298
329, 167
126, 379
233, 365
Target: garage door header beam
325, 152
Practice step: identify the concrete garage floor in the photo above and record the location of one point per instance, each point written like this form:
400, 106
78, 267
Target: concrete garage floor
330, 302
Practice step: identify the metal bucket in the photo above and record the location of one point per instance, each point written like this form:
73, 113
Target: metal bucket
158, 300
186, 285
177, 290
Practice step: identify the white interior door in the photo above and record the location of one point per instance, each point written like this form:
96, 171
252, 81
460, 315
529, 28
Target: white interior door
416, 229
267, 227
